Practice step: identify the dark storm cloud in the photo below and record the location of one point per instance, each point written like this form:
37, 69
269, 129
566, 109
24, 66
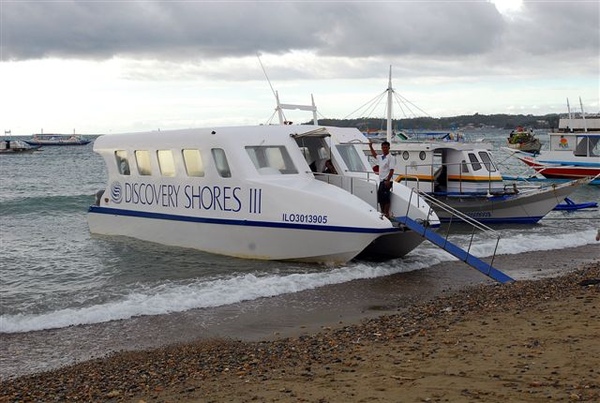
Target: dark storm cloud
191, 30
101, 30
429, 28
558, 27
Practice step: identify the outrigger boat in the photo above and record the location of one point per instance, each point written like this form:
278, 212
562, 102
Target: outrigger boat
249, 192
463, 175
574, 149
571, 155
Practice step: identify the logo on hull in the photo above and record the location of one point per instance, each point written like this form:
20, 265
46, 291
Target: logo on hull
116, 192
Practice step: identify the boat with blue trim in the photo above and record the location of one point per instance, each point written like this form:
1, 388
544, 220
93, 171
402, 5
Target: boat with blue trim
466, 177
54, 139
250, 192
463, 175
571, 155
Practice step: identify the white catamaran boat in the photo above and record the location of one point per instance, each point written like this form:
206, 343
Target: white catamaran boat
250, 192
464, 176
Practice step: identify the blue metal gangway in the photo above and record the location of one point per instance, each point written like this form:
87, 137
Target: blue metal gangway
455, 250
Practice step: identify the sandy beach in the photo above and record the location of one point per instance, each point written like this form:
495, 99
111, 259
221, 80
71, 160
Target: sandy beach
528, 341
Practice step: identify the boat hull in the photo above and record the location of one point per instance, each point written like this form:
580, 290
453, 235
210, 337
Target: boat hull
57, 143
520, 208
239, 238
530, 147
553, 171
392, 246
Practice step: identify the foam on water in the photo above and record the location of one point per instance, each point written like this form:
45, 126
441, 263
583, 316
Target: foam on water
180, 296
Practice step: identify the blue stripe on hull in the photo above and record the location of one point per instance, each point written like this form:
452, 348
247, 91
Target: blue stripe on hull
504, 220
247, 223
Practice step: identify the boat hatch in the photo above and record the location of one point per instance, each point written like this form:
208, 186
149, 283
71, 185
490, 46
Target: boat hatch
321, 132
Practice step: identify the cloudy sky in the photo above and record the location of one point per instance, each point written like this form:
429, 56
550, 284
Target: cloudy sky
117, 66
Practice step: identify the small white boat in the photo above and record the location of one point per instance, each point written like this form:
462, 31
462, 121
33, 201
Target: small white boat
10, 146
249, 192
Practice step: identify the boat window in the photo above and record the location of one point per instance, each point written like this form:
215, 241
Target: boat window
192, 160
351, 157
487, 161
271, 160
464, 167
405, 155
221, 162
166, 162
142, 158
474, 162
422, 155
587, 146
122, 162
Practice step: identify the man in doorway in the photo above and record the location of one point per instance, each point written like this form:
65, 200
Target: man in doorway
387, 164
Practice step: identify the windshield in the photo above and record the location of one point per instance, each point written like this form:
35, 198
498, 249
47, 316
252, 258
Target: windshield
351, 157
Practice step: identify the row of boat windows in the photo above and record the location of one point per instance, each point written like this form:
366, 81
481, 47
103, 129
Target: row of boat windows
474, 162
268, 160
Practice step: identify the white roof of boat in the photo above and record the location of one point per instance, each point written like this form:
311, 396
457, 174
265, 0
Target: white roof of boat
238, 134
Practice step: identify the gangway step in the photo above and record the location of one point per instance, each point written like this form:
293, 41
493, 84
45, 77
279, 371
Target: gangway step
455, 250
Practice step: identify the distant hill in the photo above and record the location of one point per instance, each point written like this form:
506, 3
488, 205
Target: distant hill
499, 121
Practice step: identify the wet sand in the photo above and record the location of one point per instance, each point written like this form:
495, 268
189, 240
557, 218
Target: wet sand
531, 340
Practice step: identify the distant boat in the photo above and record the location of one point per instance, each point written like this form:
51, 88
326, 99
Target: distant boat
8, 146
574, 151
571, 156
524, 140
57, 140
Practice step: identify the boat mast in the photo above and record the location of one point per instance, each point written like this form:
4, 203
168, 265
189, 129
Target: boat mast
389, 108
583, 116
570, 126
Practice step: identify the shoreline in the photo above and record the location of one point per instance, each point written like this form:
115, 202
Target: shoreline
286, 315
525, 341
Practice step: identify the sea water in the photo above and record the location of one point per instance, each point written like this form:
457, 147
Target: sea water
55, 275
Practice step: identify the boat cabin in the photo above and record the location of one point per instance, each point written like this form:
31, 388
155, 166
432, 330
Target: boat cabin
581, 144
446, 167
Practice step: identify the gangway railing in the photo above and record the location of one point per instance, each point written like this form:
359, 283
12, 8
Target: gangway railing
444, 242
366, 190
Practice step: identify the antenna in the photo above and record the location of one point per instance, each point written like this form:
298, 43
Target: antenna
265, 73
